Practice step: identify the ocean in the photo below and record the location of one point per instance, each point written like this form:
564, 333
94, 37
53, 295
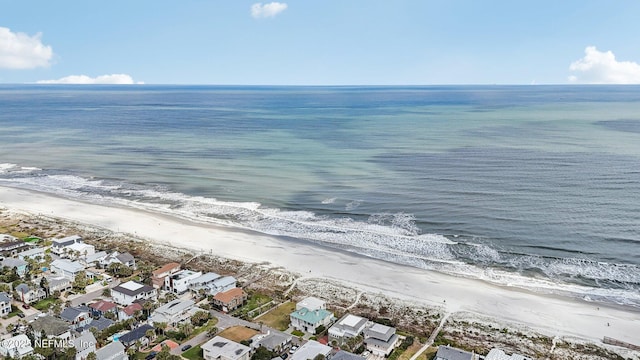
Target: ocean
536, 187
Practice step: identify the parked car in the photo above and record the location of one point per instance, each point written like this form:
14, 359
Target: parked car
284, 356
25, 306
186, 347
293, 349
21, 315
151, 355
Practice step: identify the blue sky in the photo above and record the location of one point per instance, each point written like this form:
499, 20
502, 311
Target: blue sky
323, 42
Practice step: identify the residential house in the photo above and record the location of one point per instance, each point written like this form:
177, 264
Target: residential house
129, 311
58, 245
5, 304
273, 341
125, 294
94, 259
381, 339
450, 353
16, 347
52, 328
100, 324
311, 303
112, 351
7, 237
29, 294
497, 354
345, 355
11, 248
76, 316
34, 253
220, 348
137, 334
158, 275
309, 320
178, 283
203, 282
101, 307
311, 349
230, 300
118, 258
79, 250
12, 263
349, 326
67, 268
84, 344
59, 283
173, 313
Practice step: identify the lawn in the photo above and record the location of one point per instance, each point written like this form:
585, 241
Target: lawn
211, 323
278, 318
407, 354
238, 333
44, 304
255, 301
195, 353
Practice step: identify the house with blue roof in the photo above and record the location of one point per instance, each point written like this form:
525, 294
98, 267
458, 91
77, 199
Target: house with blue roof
309, 320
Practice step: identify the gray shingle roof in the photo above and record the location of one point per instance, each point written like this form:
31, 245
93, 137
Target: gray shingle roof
4, 297
135, 334
51, 326
449, 353
71, 313
344, 355
110, 350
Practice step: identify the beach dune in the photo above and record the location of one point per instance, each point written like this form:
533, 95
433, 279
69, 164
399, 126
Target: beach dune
550, 315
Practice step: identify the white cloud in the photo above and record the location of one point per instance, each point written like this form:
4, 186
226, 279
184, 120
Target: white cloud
21, 51
598, 67
113, 79
258, 10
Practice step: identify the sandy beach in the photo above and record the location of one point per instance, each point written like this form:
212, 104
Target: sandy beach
550, 315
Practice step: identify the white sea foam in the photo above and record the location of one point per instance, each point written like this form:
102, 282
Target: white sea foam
329, 201
388, 236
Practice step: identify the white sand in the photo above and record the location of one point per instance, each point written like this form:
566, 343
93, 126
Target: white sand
551, 315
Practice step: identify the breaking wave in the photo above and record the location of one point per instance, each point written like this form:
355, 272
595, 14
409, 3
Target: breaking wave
393, 237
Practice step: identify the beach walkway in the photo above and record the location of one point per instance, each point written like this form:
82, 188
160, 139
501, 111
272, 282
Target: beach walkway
431, 338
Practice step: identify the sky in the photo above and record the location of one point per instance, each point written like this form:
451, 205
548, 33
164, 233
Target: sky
320, 42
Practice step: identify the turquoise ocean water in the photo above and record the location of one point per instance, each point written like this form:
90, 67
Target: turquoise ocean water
530, 186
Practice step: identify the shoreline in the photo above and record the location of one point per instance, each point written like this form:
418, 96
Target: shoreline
552, 315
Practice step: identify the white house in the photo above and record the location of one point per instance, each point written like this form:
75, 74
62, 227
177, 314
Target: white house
28, 294
174, 312
32, 254
58, 245
79, 250
84, 344
178, 283
220, 348
17, 347
59, 282
5, 304
451, 353
349, 326
311, 303
380, 339
309, 320
76, 316
66, 268
118, 258
127, 293
310, 350
113, 351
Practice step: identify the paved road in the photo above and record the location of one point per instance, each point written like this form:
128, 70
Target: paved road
90, 296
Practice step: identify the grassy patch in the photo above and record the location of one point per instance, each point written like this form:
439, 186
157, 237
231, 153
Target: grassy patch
44, 304
14, 311
255, 301
211, 323
238, 333
297, 333
410, 351
278, 318
195, 353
